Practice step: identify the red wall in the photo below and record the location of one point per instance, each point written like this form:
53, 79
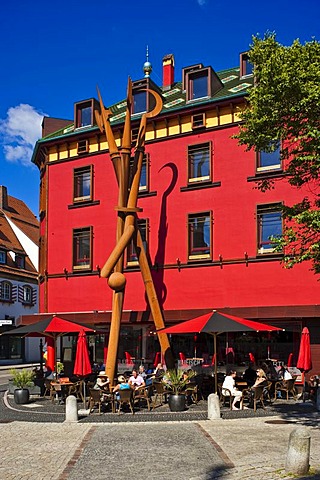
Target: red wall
234, 232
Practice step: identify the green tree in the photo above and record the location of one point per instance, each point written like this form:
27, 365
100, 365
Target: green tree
284, 105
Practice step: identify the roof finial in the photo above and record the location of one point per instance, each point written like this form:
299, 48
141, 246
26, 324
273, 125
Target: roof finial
147, 67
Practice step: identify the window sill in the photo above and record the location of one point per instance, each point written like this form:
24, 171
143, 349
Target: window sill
3, 300
266, 175
85, 203
146, 193
200, 185
27, 304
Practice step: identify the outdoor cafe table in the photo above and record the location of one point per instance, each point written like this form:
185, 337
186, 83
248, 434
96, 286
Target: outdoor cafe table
63, 388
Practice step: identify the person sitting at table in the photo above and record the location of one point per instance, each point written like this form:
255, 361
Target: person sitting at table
136, 380
250, 375
229, 388
102, 381
284, 373
159, 371
261, 380
142, 372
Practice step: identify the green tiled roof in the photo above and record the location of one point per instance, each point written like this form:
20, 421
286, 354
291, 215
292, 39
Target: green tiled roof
173, 100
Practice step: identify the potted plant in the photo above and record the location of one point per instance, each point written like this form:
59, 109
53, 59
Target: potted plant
177, 381
22, 379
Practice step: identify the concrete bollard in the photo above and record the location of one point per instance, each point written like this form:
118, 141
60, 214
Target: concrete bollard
213, 407
318, 399
298, 455
71, 409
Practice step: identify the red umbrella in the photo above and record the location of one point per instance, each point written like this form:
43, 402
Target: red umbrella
82, 364
51, 327
304, 362
216, 323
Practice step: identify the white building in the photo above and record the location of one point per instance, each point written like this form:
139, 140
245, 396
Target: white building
19, 234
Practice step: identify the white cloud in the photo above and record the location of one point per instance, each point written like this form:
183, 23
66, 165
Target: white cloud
201, 2
20, 131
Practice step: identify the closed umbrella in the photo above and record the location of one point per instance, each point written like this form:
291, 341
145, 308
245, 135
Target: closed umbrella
216, 323
82, 364
304, 362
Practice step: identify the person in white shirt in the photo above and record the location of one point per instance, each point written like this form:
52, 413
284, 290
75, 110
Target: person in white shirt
229, 385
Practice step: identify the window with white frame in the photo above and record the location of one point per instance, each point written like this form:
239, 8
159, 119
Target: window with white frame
6, 291
199, 236
269, 160
269, 219
27, 294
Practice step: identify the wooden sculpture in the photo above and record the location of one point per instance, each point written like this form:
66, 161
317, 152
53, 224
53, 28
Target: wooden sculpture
127, 226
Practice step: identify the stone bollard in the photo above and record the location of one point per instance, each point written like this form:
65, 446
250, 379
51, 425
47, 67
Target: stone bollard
298, 455
71, 409
318, 399
213, 407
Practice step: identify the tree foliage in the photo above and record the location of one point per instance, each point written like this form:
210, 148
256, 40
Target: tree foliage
284, 105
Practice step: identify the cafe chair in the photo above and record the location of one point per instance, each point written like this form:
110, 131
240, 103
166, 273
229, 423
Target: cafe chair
286, 386
191, 392
47, 387
141, 395
267, 392
95, 399
224, 396
160, 393
125, 398
258, 397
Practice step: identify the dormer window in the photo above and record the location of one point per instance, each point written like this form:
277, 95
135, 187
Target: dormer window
84, 113
200, 82
140, 102
20, 261
3, 257
246, 67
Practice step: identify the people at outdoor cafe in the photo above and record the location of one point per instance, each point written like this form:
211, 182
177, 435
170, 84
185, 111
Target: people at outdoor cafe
102, 381
229, 387
136, 380
284, 373
142, 372
261, 380
250, 375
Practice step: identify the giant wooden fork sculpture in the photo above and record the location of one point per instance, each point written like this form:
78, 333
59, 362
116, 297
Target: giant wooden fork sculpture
127, 227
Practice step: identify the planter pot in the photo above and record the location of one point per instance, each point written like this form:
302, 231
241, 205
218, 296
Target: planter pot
177, 403
21, 395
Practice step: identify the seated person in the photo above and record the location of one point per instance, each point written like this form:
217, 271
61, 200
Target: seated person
261, 379
102, 381
230, 384
250, 375
142, 372
136, 380
159, 371
284, 373
122, 385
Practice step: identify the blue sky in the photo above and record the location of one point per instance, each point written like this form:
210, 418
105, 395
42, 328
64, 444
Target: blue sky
55, 53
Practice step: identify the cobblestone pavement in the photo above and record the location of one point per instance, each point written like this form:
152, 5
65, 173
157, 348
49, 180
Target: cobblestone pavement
244, 448
36, 443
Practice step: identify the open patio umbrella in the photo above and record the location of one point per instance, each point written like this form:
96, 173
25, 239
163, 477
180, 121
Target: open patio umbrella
304, 362
216, 323
82, 364
51, 327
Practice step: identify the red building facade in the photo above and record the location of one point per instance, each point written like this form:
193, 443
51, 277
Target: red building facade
206, 226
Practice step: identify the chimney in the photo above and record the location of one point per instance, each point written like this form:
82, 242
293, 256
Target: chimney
3, 198
168, 71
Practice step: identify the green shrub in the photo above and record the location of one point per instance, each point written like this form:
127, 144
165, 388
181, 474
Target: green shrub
22, 378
